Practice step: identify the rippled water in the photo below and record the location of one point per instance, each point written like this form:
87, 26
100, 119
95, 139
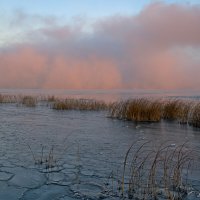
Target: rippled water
87, 149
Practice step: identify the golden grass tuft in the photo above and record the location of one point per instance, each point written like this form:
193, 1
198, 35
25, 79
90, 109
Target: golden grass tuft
51, 98
176, 109
171, 109
194, 117
139, 110
29, 101
154, 110
79, 104
8, 98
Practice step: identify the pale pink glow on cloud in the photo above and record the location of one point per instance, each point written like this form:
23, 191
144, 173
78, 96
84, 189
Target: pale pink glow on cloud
143, 51
172, 24
27, 68
87, 73
21, 68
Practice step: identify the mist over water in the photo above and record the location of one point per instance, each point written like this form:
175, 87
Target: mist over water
106, 95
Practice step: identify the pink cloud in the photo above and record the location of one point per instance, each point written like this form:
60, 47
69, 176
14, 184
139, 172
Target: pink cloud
27, 68
87, 73
22, 68
143, 51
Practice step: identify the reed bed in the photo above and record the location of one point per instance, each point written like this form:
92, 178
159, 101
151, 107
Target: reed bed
138, 110
51, 98
8, 98
28, 101
154, 110
194, 116
156, 173
79, 104
176, 109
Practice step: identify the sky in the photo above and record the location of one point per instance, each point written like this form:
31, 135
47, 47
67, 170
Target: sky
100, 44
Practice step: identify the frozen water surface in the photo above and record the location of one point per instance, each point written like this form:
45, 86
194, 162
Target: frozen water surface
66, 155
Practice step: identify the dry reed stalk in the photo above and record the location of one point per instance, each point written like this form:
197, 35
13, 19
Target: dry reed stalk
156, 173
47, 162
